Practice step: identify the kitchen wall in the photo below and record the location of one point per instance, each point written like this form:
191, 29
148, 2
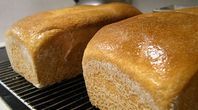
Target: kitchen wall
149, 5
13, 10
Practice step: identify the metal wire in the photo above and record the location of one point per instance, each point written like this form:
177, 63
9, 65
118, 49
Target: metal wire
69, 94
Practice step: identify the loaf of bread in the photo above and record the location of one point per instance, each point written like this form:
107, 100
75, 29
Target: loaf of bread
147, 62
48, 47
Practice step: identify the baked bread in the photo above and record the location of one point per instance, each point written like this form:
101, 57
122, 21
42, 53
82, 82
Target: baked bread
147, 62
48, 47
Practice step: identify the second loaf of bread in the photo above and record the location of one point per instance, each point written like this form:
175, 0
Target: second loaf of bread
47, 47
147, 62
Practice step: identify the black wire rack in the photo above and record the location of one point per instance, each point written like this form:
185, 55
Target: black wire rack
67, 95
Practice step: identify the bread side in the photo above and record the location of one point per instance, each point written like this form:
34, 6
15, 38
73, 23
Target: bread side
47, 47
146, 62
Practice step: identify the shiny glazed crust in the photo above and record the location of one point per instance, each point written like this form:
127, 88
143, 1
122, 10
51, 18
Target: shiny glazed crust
47, 47
144, 62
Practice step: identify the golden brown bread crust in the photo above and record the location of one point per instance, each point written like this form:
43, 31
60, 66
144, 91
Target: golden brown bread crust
159, 51
47, 47
33, 27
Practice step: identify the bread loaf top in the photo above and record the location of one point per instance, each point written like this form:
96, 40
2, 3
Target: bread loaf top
158, 50
34, 30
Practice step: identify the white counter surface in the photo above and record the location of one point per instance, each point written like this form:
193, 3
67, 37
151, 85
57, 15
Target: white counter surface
3, 105
2, 44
